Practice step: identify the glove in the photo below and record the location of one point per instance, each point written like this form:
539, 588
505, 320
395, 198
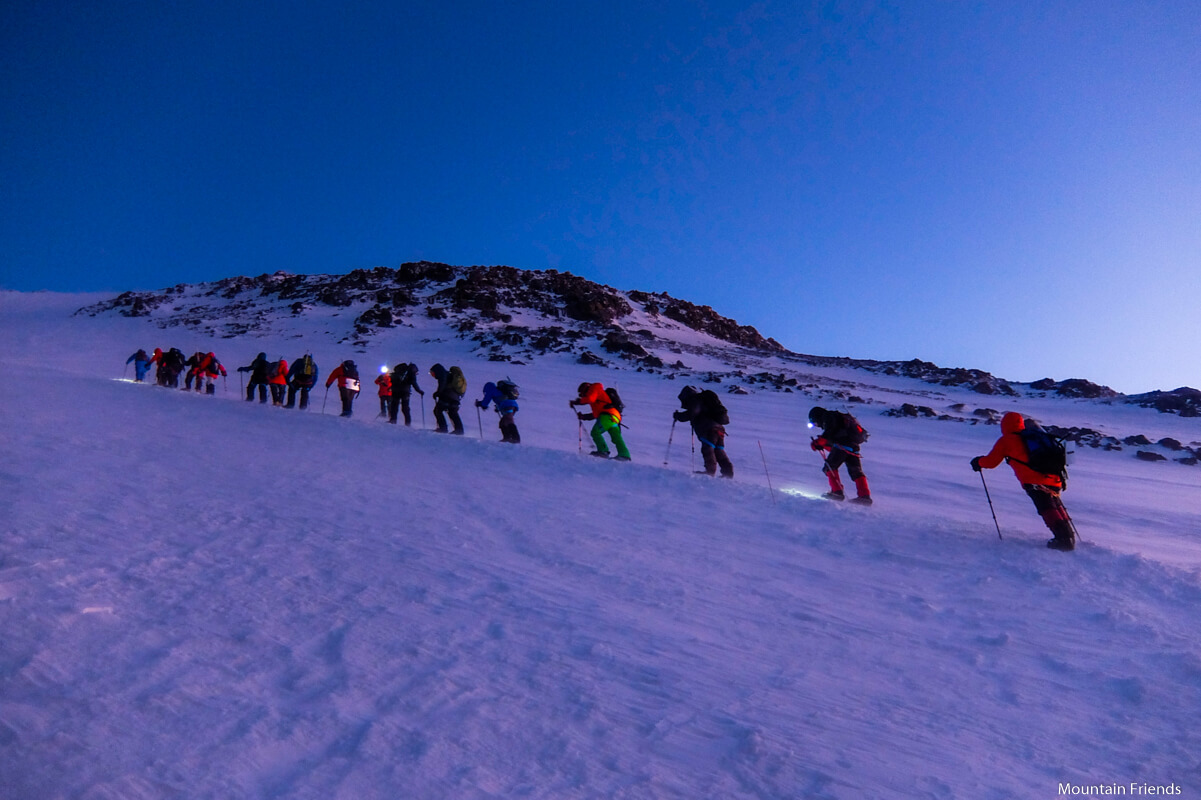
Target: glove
817, 445
479, 404
976, 464
678, 416
582, 417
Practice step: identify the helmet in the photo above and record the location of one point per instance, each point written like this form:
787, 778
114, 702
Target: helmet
583, 387
817, 416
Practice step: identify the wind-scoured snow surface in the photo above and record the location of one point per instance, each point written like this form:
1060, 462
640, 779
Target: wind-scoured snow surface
208, 598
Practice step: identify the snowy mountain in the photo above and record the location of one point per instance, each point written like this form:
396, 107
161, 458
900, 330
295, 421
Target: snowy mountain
209, 598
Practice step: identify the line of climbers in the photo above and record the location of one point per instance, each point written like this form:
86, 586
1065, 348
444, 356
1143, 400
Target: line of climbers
202, 369
1036, 457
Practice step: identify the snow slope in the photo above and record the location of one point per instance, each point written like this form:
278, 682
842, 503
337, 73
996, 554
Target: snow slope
207, 598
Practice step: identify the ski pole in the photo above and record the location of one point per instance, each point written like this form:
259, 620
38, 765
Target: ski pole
669, 438
770, 490
990, 508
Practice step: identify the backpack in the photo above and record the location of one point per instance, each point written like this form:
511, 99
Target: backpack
856, 434
141, 356
508, 389
307, 368
272, 369
711, 403
1045, 453
350, 370
615, 401
456, 382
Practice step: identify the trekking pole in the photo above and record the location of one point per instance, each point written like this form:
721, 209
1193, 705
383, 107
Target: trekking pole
423, 412
990, 508
326, 400
669, 438
125, 371
241, 389
479, 419
580, 422
770, 490
1072, 522
692, 462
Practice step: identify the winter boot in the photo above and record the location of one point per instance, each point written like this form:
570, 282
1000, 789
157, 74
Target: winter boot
864, 494
1061, 526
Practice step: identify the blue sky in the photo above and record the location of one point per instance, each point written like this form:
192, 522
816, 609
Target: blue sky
1009, 186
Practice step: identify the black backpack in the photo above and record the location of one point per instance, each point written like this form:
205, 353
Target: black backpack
350, 370
1045, 453
856, 434
508, 389
711, 403
615, 400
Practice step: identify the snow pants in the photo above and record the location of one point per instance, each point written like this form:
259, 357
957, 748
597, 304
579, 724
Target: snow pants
444, 408
605, 423
713, 450
303, 391
1050, 508
250, 391
836, 459
399, 403
348, 396
508, 429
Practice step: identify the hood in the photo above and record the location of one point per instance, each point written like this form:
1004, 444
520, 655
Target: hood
1012, 422
687, 393
438, 371
262, 357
